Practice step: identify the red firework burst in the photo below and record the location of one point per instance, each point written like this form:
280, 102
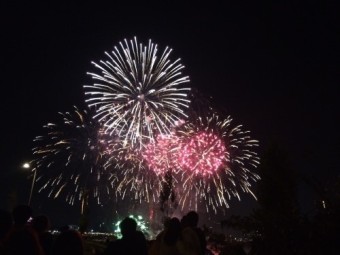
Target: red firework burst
203, 153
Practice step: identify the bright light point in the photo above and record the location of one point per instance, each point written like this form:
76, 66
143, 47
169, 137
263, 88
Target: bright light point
26, 165
141, 97
179, 123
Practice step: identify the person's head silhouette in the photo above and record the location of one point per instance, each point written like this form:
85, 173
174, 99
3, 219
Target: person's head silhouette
128, 227
41, 223
21, 214
192, 218
6, 222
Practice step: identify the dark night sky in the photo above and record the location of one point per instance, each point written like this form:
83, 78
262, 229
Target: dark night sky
272, 66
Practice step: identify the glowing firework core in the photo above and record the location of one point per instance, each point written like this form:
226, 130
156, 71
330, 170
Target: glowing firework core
202, 154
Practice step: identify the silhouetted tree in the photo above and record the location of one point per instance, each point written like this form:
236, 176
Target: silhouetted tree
167, 195
277, 196
84, 212
275, 222
324, 225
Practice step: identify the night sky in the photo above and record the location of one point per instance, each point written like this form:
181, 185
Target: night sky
273, 67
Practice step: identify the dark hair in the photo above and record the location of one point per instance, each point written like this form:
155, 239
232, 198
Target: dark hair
41, 223
24, 241
21, 214
192, 218
128, 226
172, 234
69, 242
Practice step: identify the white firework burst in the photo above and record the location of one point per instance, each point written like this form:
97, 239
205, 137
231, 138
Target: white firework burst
136, 93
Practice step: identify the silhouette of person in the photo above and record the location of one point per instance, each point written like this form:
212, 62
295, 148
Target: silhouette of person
22, 238
133, 242
21, 214
41, 224
6, 223
69, 242
170, 241
192, 219
190, 241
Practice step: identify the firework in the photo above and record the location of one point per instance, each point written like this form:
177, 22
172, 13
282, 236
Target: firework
137, 93
141, 226
70, 158
216, 160
130, 176
203, 153
160, 155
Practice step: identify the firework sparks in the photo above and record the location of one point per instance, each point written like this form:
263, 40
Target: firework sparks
215, 159
159, 155
203, 153
141, 136
131, 177
142, 226
137, 93
70, 158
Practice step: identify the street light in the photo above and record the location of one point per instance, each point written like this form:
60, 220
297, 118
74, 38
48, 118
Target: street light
28, 166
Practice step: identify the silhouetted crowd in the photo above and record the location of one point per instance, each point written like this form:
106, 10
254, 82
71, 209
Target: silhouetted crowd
21, 233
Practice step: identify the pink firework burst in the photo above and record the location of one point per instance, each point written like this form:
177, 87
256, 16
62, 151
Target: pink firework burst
202, 154
217, 160
160, 154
